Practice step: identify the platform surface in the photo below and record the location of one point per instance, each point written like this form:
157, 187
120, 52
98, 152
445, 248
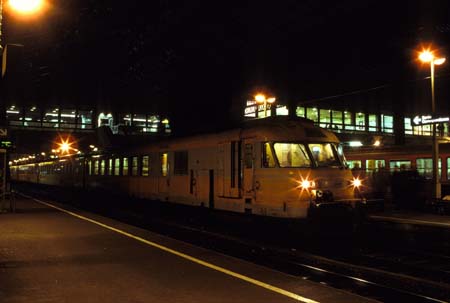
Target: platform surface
50, 255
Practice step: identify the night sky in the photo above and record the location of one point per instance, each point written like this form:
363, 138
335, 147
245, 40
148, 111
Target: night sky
198, 61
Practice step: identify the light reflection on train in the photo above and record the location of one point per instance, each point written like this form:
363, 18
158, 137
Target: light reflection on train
280, 168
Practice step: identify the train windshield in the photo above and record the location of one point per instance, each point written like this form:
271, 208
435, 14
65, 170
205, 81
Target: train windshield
292, 155
324, 154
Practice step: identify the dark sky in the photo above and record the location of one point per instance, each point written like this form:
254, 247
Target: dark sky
194, 59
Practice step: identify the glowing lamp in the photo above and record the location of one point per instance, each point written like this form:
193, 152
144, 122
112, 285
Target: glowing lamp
25, 6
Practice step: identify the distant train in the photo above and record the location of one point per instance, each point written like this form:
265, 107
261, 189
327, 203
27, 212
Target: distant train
270, 167
386, 161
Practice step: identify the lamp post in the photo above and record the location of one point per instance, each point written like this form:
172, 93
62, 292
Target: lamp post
427, 56
261, 99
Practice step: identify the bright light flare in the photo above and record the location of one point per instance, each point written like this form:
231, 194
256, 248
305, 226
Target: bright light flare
260, 98
306, 184
26, 6
356, 182
426, 56
439, 61
65, 146
271, 100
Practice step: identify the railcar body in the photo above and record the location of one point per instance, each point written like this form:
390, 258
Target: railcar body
281, 168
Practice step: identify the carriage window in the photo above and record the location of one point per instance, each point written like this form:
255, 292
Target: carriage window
323, 154
268, 159
375, 164
102, 167
396, 165
180, 163
116, 167
164, 165
89, 168
145, 166
134, 166
96, 167
425, 167
110, 167
292, 155
125, 167
354, 164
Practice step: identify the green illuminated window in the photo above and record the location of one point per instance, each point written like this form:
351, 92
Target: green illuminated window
337, 119
300, 111
397, 165
360, 121
102, 167
375, 164
387, 123
425, 167
408, 126
125, 167
325, 118
312, 114
373, 123
117, 167
354, 164
96, 165
110, 167
348, 121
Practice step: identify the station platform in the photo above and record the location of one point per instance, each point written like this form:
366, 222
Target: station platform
51, 253
412, 218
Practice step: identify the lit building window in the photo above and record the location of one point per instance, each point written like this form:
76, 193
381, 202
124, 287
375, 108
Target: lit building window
397, 165
408, 126
348, 121
325, 118
14, 116
373, 123
360, 121
336, 119
145, 167
354, 164
51, 118
102, 167
84, 119
387, 123
312, 114
375, 164
110, 167
67, 118
300, 111
282, 110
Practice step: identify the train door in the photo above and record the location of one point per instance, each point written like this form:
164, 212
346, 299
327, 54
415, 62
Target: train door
164, 177
229, 169
248, 173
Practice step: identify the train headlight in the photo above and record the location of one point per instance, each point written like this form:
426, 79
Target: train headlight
356, 183
307, 184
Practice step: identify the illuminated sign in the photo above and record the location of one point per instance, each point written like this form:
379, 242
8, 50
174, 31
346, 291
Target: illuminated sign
5, 144
252, 108
422, 120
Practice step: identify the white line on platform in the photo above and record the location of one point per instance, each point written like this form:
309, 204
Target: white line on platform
185, 256
412, 221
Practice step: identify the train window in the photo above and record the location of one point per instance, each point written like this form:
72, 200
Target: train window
395, 165
292, 155
354, 164
375, 164
96, 164
425, 167
89, 168
102, 167
117, 167
145, 167
134, 166
268, 159
324, 154
312, 114
110, 167
125, 166
164, 165
180, 163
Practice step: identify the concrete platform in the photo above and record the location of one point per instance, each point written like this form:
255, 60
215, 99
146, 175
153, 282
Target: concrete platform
413, 218
49, 254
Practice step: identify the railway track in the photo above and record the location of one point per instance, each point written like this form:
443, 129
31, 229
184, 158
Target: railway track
384, 276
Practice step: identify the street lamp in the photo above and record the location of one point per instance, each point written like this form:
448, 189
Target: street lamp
261, 99
427, 56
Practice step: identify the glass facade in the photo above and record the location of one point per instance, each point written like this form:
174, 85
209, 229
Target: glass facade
312, 114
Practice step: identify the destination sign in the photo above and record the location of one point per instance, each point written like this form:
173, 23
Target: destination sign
429, 119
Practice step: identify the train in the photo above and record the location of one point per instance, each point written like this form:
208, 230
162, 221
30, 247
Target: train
411, 165
280, 167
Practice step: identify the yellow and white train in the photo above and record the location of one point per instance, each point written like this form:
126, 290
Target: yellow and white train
279, 168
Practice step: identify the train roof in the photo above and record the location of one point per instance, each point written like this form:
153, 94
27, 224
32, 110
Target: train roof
281, 129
